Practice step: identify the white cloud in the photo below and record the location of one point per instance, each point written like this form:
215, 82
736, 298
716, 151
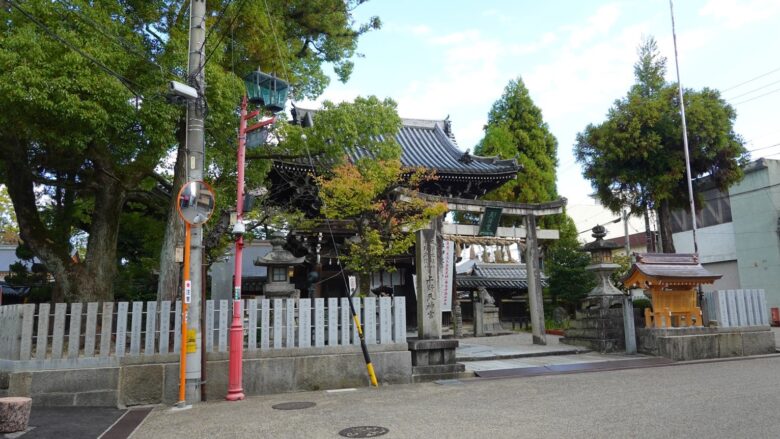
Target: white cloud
546, 40
737, 13
599, 23
456, 38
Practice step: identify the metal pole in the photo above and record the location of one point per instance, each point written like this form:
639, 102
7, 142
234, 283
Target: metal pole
366, 357
685, 135
196, 153
185, 301
625, 232
235, 389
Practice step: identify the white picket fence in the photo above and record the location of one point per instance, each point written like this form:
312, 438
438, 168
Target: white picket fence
94, 330
735, 308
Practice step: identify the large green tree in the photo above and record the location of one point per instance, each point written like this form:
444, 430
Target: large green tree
565, 262
516, 128
85, 126
635, 158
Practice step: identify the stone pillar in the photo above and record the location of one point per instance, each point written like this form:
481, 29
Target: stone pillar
628, 324
428, 249
479, 328
535, 301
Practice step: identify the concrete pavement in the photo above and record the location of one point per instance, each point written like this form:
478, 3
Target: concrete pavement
737, 398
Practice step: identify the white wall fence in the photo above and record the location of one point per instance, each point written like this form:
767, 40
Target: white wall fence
735, 308
94, 331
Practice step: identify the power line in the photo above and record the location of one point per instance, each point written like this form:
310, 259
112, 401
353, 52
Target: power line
754, 90
121, 42
764, 147
756, 97
751, 80
125, 81
221, 38
216, 23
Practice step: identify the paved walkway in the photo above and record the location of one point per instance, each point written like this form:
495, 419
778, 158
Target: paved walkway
730, 399
517, 351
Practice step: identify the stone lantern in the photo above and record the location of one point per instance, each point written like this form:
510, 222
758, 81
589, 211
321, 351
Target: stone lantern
281, 265
599, 323
601, 263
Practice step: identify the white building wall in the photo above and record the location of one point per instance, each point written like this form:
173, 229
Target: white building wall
716, 243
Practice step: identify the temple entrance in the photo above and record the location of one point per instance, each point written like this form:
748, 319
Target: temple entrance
429, 248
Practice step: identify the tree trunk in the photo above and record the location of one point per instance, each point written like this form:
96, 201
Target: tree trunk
665, 226
91, 279
170, 270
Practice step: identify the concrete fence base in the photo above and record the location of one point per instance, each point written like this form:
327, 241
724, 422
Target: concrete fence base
136, 381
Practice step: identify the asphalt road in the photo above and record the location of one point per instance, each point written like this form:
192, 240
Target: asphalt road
729, 399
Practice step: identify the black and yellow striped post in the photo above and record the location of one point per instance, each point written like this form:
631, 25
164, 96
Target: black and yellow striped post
369, 366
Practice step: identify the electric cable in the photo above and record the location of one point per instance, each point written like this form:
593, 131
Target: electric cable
750, 80
754, 90
219, 42
756, 97
121, 42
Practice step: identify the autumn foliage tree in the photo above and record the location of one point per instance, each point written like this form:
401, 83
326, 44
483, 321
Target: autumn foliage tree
365, 194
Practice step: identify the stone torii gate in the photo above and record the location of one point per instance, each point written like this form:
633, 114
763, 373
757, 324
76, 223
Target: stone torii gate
429, 250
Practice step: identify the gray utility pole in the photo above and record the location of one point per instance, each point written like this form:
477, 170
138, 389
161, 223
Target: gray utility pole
195, 156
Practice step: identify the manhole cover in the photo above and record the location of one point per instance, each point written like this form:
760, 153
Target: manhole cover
364, 431
294, 405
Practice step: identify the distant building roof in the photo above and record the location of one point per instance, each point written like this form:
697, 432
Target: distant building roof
636, 240
475, 274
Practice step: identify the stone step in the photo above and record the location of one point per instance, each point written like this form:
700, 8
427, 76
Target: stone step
598, 345
594, 333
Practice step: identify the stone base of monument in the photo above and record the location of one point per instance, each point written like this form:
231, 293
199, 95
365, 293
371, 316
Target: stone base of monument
14, 414
697, 343
598, 325
434, 360
491, 325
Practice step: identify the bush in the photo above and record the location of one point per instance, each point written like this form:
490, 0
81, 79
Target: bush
641, 304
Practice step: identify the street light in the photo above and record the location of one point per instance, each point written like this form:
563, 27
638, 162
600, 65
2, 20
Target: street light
235, 388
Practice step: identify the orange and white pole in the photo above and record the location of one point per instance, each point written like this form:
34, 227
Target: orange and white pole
186, 299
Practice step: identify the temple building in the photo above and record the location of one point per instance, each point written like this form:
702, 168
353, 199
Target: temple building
429, 144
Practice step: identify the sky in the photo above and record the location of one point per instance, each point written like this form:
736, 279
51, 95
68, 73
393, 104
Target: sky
438, 58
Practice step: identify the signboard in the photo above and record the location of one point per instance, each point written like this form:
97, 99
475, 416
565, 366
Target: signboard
187, 291
489, 223
352, 284
192, 346
447, 262
256, 138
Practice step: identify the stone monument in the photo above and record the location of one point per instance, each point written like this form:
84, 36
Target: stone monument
486, 320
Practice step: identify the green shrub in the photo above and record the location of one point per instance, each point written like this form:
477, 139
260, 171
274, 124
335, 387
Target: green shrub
641, 304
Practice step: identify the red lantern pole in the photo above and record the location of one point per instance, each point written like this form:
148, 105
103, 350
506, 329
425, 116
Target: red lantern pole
235, 388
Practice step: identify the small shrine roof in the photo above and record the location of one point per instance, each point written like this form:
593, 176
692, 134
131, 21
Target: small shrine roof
670, 268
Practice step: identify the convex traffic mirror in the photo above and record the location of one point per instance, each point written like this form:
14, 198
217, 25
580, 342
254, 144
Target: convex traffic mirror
195, 202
